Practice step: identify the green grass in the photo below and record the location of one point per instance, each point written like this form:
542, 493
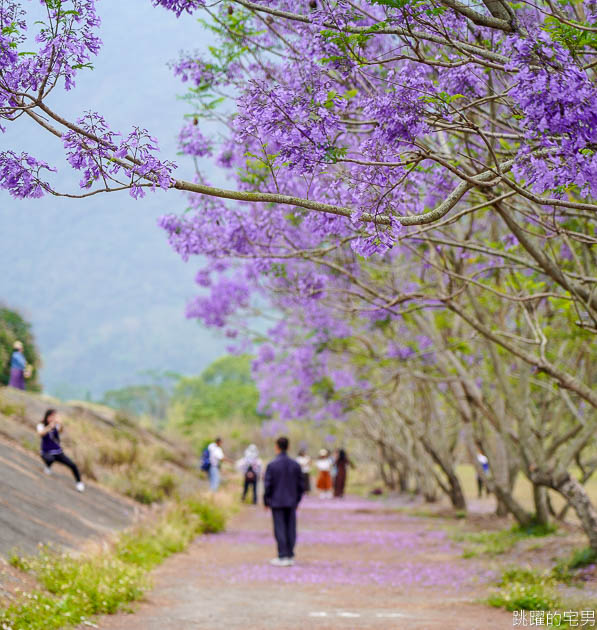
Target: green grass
582, 558
76, 588
144, 486
7, 409
493, 543
521, 588
525, 589
563, 571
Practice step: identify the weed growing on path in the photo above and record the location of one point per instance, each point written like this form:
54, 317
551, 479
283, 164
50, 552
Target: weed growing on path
76, 588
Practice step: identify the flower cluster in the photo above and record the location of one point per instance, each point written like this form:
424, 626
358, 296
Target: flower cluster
102, 155
179, 6
559, 107
192, 142
20, 175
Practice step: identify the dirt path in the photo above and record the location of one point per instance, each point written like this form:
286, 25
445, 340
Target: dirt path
360, 564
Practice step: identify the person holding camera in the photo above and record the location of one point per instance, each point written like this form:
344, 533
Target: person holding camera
49, 430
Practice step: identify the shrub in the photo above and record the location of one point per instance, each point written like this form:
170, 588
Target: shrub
525, 589
144, 485
213, 519
118, 452
167, 484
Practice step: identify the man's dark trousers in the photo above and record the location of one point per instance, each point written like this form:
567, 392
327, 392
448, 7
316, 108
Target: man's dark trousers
282, 492
285, 530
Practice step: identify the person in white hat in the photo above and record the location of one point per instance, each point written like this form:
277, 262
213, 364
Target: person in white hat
250, 466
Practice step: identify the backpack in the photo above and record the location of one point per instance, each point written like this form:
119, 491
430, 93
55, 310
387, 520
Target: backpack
250, 473
205, 460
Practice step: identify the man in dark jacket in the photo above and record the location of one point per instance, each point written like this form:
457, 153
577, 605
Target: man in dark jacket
283, 489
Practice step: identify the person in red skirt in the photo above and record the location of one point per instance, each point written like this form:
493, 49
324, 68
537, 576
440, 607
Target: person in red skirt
324, 478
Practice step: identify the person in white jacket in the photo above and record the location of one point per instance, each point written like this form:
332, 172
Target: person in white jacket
250, 466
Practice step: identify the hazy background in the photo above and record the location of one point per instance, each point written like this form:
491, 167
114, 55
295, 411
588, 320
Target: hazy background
96, 277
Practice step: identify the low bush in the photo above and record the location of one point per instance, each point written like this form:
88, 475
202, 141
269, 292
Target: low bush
119, 452
522, 588
167, 484
525, 589
144, 485
76, 588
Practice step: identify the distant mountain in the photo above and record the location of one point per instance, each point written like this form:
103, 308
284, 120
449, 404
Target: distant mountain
96, 277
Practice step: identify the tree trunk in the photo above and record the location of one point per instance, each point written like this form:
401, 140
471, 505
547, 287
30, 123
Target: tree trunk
541, 504
387, 480
501, 509
403, 480
522, 517
577, 496
456, 493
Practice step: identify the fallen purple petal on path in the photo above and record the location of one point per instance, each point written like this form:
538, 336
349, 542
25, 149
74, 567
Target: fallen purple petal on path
336, 529
436, 540
359, 573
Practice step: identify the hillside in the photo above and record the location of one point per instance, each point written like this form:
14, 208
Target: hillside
124, 466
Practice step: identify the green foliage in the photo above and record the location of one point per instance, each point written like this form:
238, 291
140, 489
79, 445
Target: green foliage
574, 39
525, 589
75, 588
582, 558
495, 543
225, 390
564, 569
151, 399
14, 327
143, 486
212, 518
7, 409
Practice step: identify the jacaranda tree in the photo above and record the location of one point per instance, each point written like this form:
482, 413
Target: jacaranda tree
412, 178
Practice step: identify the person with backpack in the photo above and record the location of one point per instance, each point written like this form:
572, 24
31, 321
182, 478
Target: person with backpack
215, 456
250, 466
49, 430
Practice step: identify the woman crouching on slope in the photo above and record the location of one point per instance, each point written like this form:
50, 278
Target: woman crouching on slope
51, 451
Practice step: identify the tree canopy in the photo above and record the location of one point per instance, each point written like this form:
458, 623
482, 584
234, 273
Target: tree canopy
224, 390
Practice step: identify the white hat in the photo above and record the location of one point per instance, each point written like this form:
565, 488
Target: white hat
323, 452
251, 451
